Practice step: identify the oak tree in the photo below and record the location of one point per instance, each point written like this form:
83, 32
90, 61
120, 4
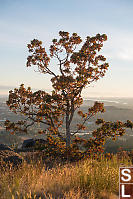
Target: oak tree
77, 65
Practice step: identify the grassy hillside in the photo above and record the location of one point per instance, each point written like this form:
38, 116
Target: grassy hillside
87, 179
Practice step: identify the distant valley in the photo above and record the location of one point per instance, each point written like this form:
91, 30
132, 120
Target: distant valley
116, 109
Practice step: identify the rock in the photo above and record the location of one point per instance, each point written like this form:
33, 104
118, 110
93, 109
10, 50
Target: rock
4, 147
31, 143
8, 157
28, 143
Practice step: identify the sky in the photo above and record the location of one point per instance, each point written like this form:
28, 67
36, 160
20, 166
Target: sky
22, 21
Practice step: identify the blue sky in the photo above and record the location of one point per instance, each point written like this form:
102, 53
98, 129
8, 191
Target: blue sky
22, 21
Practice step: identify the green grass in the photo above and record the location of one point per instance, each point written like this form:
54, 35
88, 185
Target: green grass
87, 179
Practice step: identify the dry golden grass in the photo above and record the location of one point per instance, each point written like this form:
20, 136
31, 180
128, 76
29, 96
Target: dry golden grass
88, 179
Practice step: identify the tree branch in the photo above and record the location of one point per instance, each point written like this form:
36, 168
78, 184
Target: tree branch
87, 118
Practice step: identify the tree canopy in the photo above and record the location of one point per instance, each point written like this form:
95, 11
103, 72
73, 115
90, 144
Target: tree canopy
77, 65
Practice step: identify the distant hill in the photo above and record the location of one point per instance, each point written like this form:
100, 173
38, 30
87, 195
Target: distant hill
116, 109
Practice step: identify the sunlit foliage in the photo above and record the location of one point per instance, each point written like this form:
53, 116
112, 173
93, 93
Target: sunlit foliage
79, 64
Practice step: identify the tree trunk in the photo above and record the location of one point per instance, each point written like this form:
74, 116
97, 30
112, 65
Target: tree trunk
67, 135
67, 127
68, 138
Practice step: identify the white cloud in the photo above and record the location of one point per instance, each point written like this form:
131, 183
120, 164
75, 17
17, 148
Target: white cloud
120, 46
126, 54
